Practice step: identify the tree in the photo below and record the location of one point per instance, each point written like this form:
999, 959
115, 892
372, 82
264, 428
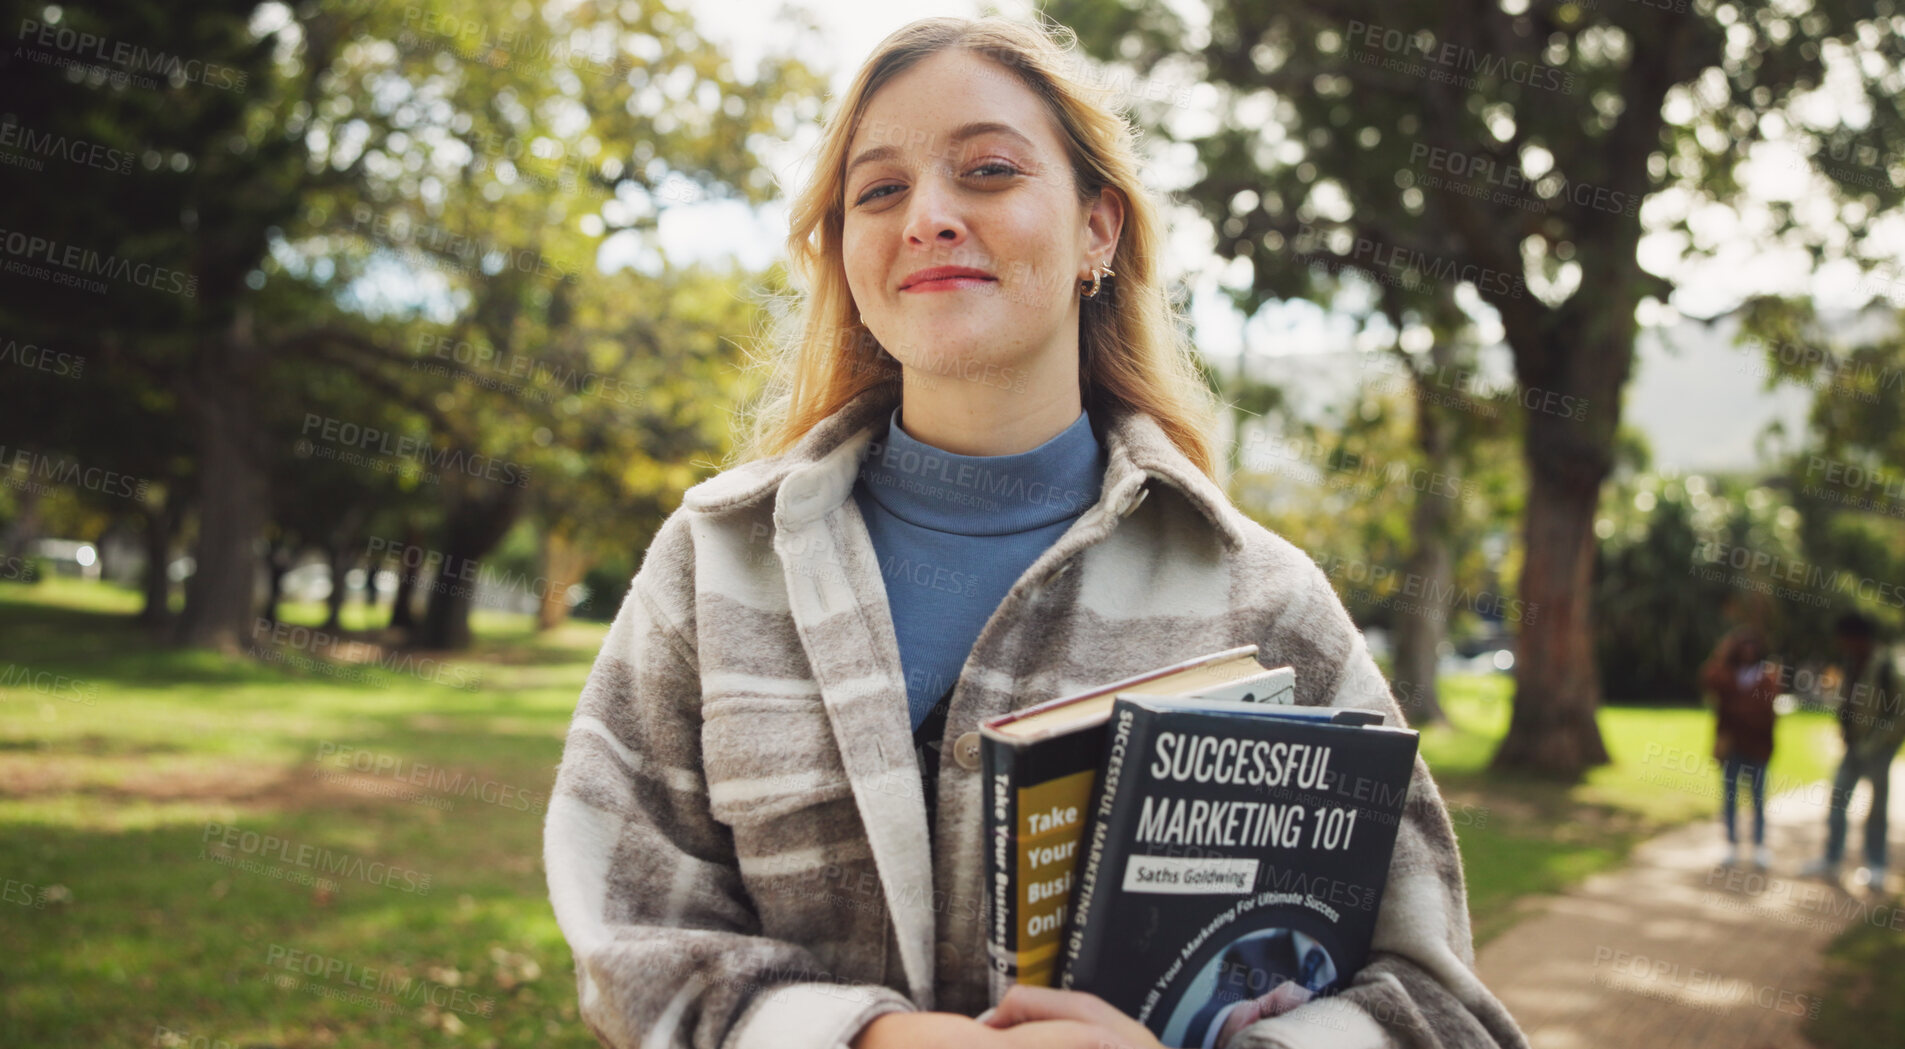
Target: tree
286, 168
1510, 147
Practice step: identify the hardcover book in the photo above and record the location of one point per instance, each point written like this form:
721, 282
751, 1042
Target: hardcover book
1039, 765
1236, 858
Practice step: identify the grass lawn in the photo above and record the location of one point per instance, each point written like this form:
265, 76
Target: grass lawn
196, 849
1864, 984
167, 821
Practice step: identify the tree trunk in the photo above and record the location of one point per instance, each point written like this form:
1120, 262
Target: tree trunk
233, 506
340, 559
475, 523
160, 526
1571, 368
402, 613
340, 564
277, 563
1557, 685
563, 565
1419, 634
24, 528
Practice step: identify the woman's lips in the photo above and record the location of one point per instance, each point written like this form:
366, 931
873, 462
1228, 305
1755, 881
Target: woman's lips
949, 283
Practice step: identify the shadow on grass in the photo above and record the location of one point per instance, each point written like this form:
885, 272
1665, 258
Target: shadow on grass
176, 851
324, 940
1864, 984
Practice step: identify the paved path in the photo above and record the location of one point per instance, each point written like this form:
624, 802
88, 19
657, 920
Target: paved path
1674, 951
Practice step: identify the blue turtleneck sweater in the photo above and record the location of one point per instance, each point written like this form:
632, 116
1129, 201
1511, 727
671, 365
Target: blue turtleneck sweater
954, 532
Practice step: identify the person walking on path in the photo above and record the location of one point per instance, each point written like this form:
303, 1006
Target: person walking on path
1743, 732
1872, 723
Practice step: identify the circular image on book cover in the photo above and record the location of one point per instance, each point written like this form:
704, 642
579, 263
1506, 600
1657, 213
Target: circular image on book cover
1262, 973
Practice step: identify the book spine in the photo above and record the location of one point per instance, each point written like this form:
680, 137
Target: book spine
1082, 935
999, 767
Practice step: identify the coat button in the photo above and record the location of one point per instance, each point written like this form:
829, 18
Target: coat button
966, 751
947, 958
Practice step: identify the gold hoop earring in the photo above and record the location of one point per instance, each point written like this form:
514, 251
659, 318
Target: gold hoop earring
1096, 275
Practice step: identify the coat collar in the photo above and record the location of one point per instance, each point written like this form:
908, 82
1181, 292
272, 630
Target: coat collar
816, 475
813, 481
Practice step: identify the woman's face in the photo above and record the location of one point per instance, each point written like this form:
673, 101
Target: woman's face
940, 192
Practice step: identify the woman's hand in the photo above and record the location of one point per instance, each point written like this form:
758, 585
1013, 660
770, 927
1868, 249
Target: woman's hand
1281, 999
926, 1031
1048, 1018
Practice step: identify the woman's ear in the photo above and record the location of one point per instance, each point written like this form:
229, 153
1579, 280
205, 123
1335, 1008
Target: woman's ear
1105, 223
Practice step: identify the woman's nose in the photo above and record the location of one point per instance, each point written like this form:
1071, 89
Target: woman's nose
932, 216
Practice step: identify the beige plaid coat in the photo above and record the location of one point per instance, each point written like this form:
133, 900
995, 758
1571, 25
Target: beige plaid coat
737, 845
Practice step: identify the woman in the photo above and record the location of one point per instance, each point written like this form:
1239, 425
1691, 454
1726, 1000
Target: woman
766, 828
1743, 732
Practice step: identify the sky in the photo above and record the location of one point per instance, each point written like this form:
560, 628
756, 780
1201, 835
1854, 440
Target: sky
850, 29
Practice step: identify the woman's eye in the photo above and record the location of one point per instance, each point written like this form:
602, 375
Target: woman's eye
997, 167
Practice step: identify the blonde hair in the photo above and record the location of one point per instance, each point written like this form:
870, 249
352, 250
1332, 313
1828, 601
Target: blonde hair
1133, 351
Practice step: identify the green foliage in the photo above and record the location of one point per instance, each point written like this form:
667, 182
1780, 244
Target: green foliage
391, 219
1343, 491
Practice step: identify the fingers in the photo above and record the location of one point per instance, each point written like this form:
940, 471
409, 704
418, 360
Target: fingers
1027, 1005
1283, 998
1024, 1003
1061, 1034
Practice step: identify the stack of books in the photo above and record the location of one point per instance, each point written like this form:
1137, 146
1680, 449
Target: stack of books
1188, 844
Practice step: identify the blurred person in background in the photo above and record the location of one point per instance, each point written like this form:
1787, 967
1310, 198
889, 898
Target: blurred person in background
1872, 724
1743, 732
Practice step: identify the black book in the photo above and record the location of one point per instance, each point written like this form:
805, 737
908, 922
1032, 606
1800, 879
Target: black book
1040, 765
1233, 849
